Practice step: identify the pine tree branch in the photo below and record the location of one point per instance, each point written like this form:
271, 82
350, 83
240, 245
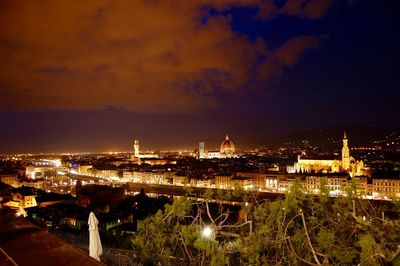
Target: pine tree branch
394, 256
291, 245
209, 214
186, 248
308, 238
250, 223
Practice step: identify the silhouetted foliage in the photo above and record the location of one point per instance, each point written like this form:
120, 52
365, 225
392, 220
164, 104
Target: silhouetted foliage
296, 230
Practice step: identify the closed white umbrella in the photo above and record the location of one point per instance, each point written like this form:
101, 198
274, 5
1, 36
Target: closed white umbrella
95, 248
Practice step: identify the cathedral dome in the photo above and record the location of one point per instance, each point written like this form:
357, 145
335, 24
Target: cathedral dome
227, 147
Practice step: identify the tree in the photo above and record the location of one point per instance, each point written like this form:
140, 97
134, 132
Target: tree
296, 229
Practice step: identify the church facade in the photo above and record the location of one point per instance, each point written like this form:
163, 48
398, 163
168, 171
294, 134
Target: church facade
345, 163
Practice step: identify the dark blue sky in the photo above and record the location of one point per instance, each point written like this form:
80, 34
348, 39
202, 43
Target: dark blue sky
346, 70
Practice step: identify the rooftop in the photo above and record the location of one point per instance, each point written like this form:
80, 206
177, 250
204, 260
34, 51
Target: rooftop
22, 243
321, 157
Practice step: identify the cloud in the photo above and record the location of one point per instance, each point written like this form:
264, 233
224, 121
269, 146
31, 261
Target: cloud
145, 56
289, 53
285, 56
311, 9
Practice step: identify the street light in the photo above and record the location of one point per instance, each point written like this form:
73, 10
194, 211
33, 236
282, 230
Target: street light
207, 232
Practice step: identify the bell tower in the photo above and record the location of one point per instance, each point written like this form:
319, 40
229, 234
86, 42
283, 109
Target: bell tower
345, 153
136, 148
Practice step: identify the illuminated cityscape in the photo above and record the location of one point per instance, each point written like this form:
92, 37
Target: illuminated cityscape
199, 132
106, 180
60, 173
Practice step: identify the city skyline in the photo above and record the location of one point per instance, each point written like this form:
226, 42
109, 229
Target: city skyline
94, 76
324, 137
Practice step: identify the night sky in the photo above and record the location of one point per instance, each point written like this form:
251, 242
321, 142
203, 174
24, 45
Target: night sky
94, 75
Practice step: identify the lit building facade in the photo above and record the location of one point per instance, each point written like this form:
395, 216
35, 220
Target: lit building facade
180, 180
206, 182
331, 165
335, 184
386, 188
84, 169
258, 179
11, 180
213, 154
223, 181
21, 201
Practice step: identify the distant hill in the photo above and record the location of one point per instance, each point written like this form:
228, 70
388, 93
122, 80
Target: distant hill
358, 135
